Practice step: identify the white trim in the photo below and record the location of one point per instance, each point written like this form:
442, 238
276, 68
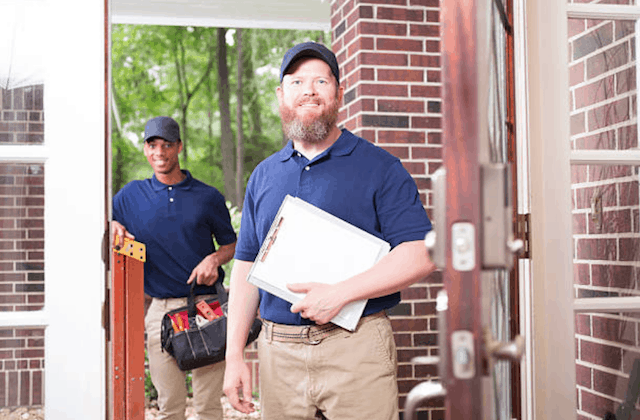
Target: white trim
605, 157
552, 317
603, 11
24, 319
24, 153
74, 104
607, 304
274, 14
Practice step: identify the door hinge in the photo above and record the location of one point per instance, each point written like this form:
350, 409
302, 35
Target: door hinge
523, 232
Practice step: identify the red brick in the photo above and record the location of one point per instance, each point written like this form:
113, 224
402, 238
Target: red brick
12, 256
433, 16
431, 31
610, 59
424, 60
381, 28
12, 397
597, 249
25, 388
426, 91
583, 376
425, 3
426, 122
617, 221
362, 105
600, 354
385, 2
401, 137
415, 167
628, 193
414, 292
578, 123
594, 92
609, 114
402, 340
36, 395
400, 14
426, 152
401, 152
400, 106
596, 405
628, 136
628, 248
398, 75
626, 81
579, 223
395, 44
366, 89
583, 324
383, 59
425, 308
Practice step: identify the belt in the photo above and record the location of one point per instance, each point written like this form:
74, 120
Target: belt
307, 334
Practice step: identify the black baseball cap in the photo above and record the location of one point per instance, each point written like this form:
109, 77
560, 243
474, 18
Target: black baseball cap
310, 49
164, 127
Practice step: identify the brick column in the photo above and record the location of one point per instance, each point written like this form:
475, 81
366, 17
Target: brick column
389, 52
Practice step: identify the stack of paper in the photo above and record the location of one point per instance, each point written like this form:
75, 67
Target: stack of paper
307, 244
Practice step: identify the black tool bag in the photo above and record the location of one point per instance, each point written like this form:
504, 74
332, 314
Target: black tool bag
196, 344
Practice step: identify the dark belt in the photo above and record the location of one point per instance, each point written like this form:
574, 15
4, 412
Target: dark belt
307, 334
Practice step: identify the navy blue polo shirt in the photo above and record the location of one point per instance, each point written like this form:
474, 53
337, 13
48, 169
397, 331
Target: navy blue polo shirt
176, 223
353, 180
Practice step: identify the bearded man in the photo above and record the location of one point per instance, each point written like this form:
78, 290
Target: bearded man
307, 364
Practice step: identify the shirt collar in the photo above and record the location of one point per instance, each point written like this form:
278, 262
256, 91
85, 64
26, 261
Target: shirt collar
343, 146
185, 184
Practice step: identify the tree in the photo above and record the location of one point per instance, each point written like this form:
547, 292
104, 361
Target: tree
239, 131
226, 137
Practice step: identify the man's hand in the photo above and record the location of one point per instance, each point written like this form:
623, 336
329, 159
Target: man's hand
118, 230
237, 376
206, 272
321, 303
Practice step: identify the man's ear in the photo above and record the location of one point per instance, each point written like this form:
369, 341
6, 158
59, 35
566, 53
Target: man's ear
179, 146
279, 94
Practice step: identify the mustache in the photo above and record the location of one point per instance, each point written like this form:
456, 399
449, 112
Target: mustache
309, 101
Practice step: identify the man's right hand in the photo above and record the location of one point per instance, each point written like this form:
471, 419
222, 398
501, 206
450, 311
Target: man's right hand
121, 232
237, 377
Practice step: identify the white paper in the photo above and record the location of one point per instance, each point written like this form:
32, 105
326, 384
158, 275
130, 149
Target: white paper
314, 246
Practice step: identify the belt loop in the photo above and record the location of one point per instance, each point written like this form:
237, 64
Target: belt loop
268, 331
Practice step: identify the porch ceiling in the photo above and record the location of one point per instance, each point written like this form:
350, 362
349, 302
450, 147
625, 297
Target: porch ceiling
275, 14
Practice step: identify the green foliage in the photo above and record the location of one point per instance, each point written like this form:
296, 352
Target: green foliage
156, 70
236, 215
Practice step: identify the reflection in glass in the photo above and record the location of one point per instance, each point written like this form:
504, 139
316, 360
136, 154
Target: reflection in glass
605, 231
21, 236
607, 347
501, 304
602, 78
605, 205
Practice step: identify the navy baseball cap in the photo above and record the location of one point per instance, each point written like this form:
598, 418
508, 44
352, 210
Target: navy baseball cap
310, 49
164, 127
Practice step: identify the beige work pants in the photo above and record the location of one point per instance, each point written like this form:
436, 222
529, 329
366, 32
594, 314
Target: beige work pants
346, 376
169, 380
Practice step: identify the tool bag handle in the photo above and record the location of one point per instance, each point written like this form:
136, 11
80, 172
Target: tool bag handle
221, 293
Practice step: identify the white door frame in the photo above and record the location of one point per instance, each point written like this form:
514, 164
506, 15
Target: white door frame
549, 389
74, 159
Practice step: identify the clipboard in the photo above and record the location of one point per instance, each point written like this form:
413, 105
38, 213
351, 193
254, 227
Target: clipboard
307, 244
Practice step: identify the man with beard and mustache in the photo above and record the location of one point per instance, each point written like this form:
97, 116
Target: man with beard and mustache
307, 364
175, 216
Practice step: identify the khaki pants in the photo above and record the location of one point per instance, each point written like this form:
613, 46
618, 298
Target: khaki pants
169, 380
346, 375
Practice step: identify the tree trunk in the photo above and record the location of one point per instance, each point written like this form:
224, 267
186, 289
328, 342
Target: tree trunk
239, 128
226, 136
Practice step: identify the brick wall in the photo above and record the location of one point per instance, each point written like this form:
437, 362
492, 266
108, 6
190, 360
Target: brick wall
389, 52
22, 115
605, 208
21, 248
